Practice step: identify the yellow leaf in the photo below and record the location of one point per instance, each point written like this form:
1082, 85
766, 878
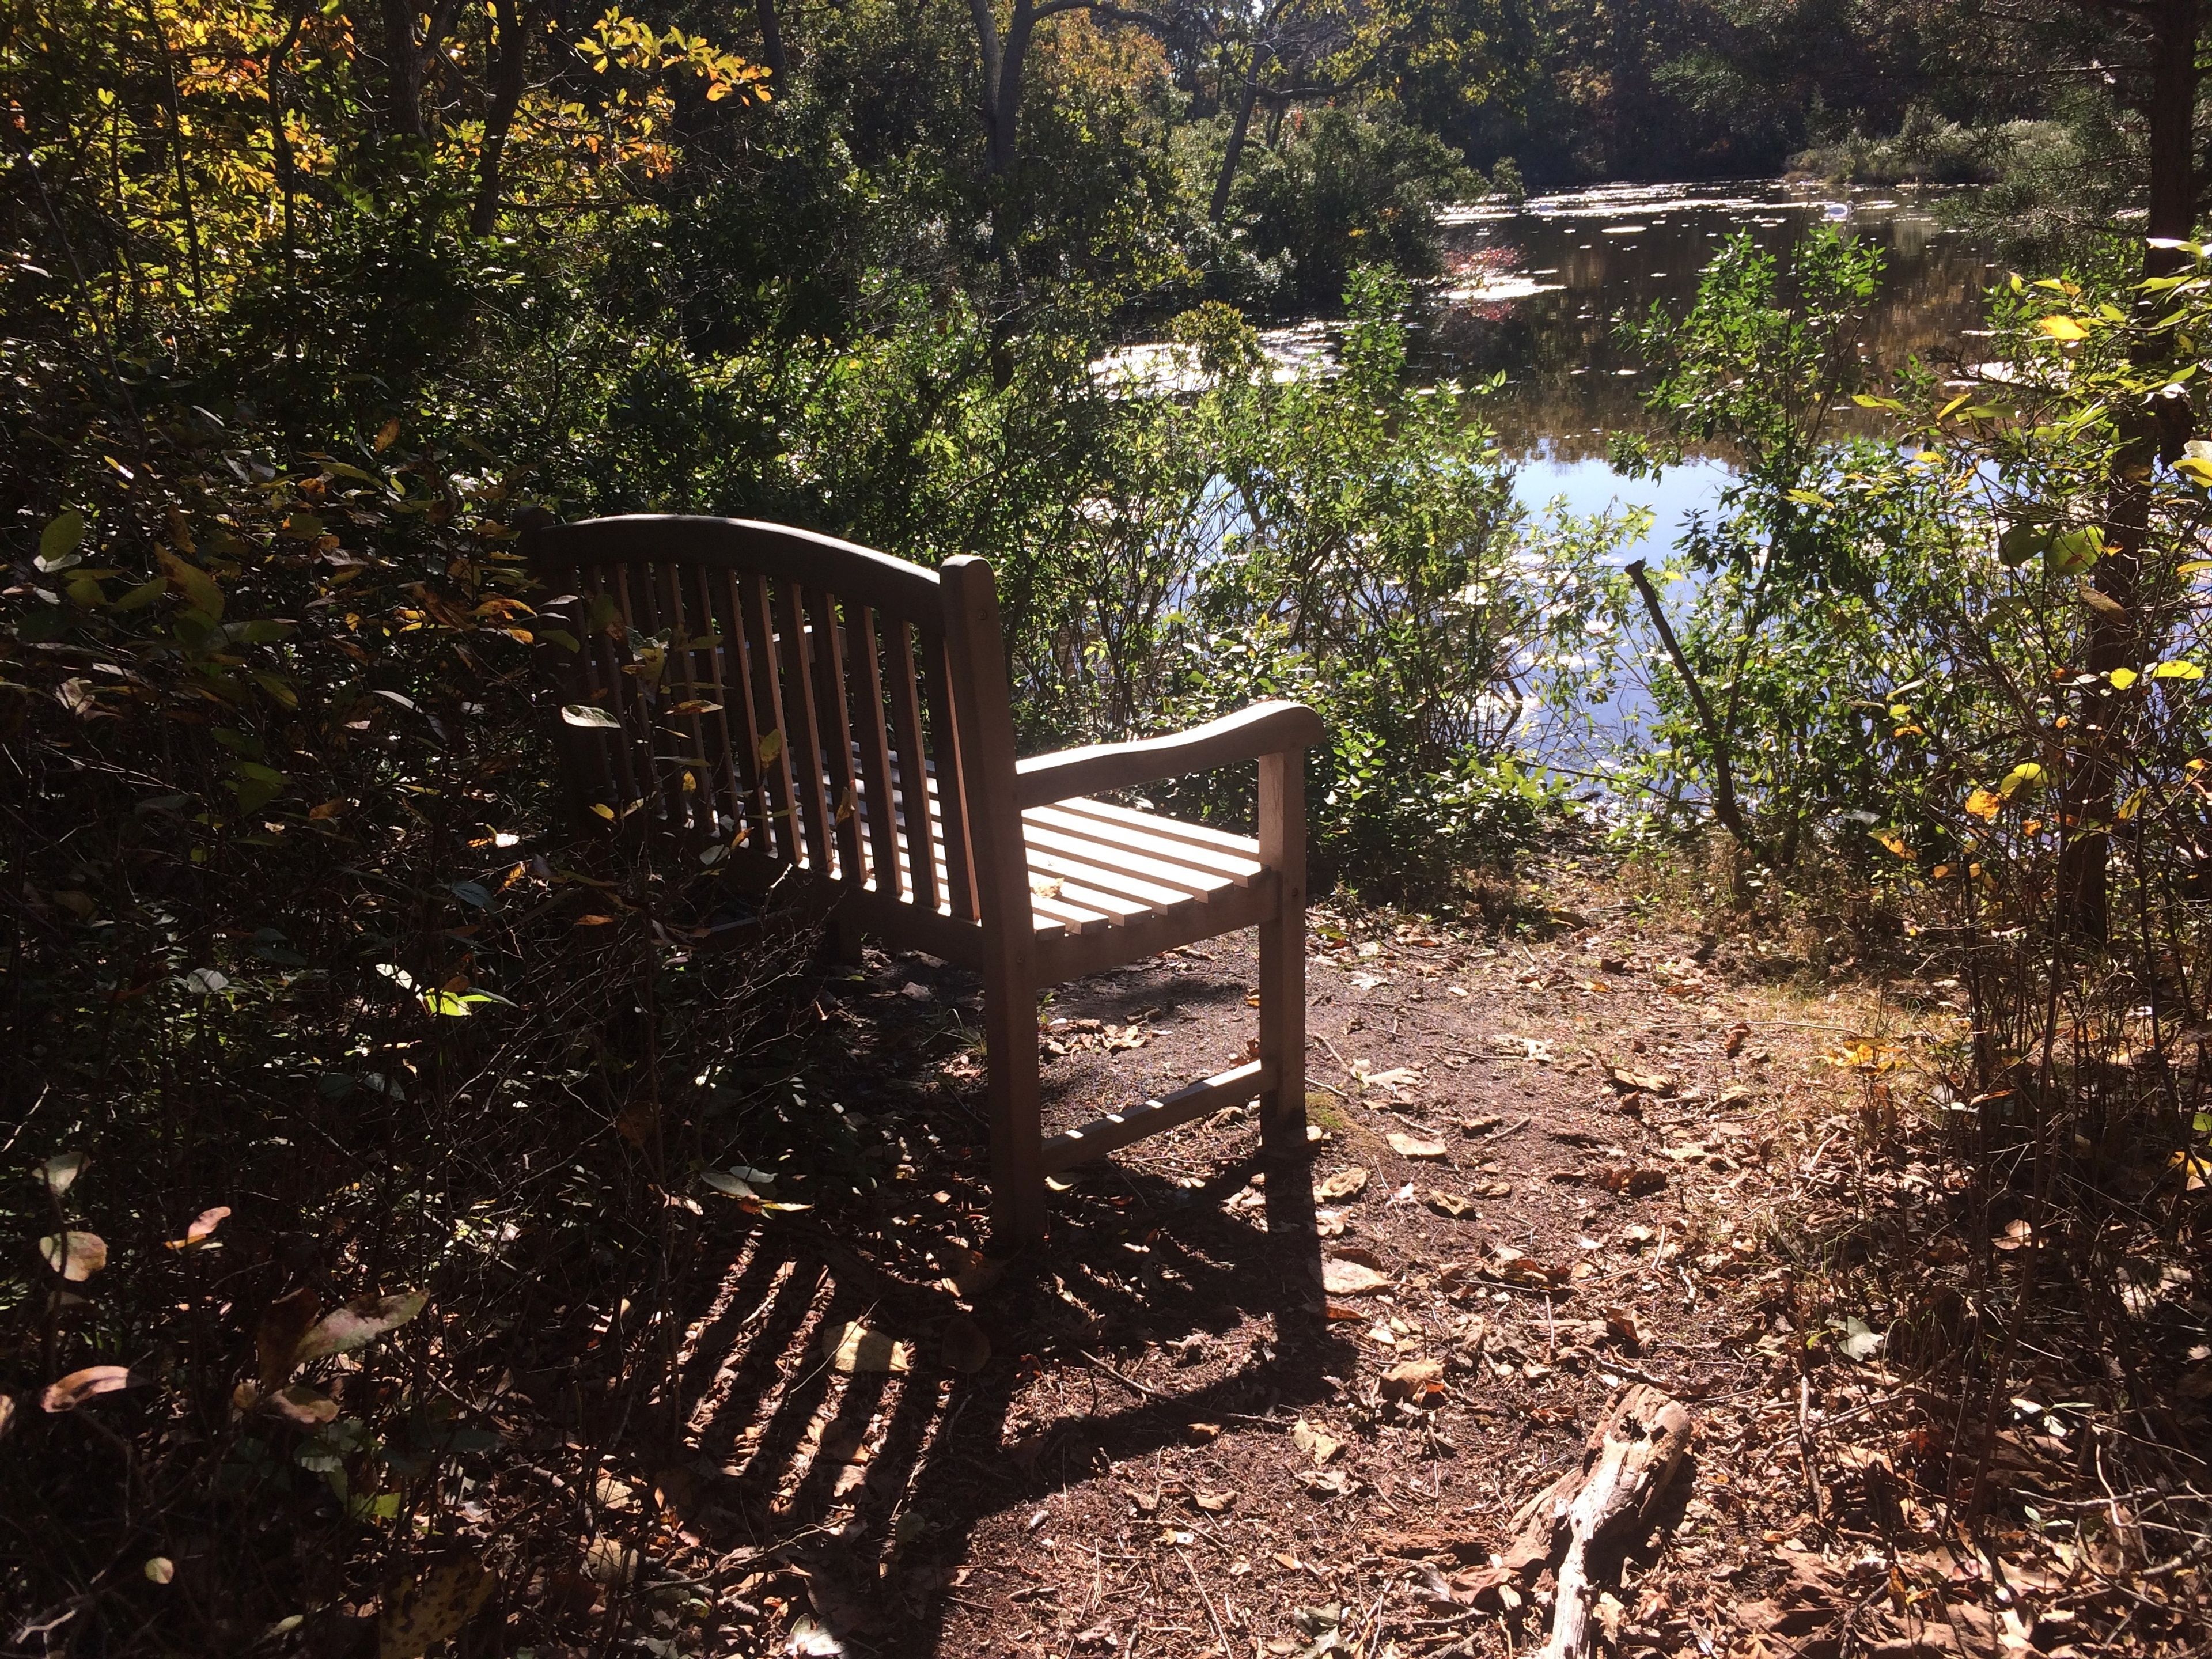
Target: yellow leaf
422, 1611
2064, 328
2177, 671
1984, 804
1892, 840
2026, 776
198, 588
2124, 677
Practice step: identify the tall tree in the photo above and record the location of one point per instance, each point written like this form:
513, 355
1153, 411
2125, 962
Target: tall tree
2160, 38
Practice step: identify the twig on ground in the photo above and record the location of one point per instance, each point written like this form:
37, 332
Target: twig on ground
1126, 1382
1211, 1617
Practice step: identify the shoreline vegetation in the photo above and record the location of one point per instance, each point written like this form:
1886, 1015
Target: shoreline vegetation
414, 1244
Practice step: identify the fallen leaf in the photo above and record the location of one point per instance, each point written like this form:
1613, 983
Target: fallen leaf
360, 1322
1648, 1083
1413, 1379
200, 1235
1345, 1183
78, 1387
1450, 1204
967, 1349
610, 1494
606, 1562
75, 1256
852, 1347
1860, 1341
1213, 1502
1202, 1434
308, 1407
1314, 1442
812, 1639
277, 1341
1738, 1035
1407, 1146
971, 1272
425, 1610
1398, 1077
1630, 1180
1340, 1277
1621, 1324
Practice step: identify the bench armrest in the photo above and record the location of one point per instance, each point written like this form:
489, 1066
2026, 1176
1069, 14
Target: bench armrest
1266, 728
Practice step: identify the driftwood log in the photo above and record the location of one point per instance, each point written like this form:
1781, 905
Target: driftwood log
1629, 1461
1631, 1457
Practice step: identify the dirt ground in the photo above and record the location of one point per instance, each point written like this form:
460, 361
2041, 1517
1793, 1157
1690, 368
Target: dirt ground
1242, 1411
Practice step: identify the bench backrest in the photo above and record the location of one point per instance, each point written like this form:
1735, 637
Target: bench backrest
786, 697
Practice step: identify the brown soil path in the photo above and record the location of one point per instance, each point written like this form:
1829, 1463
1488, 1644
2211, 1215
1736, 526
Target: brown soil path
1177, 1429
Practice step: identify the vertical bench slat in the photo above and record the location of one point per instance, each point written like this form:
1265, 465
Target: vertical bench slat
913, 777
737, 666
768, 690
590, 777
606, 662
699, 799
865, 674
828, 651
944, 749
805, 733
730, 779
641, 615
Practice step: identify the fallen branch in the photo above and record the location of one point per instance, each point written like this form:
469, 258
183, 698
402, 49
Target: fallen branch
1631, 1458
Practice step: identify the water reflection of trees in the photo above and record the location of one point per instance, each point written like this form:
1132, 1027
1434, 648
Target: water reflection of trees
1569, 385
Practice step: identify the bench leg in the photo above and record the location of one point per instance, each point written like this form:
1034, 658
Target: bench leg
1018, 1191
841, 940
1283, 956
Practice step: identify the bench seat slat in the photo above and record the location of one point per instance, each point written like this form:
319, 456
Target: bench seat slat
1160, 872
1195, 835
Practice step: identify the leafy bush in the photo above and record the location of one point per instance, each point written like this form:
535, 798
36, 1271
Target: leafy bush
1926, 149
1350, 539
1347, 188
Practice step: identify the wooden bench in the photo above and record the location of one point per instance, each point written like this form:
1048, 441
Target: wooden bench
780, 704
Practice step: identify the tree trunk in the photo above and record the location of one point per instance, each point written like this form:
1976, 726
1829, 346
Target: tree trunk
779, 67
2089, 798
402, 70
1239, 128
1004, 62
509, 69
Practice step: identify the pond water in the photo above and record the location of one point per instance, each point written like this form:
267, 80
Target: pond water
1534, 291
